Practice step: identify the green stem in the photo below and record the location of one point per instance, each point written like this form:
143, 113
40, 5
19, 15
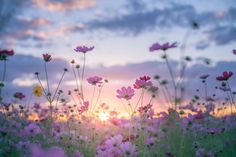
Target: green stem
172, 79
82, 79
58, 85
46, 72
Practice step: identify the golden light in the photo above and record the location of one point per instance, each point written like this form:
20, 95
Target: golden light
103, 116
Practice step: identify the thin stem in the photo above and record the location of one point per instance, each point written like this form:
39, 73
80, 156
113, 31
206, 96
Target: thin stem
46, 73
99, 94
58, 85
4, 70
92, 96
172, 79
76, 80
3, 77
142, 93
82, 79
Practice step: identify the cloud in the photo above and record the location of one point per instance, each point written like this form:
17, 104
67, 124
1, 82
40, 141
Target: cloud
21, 68
64, 5
219, 24
222, 35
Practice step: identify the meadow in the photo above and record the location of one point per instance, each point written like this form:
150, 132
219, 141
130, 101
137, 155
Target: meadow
202, 126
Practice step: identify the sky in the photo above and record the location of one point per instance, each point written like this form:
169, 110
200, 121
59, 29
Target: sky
121, 31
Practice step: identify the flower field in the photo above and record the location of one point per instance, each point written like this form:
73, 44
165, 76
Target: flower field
203, 126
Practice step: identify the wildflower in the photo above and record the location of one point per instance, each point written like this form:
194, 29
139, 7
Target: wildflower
83, 49
84, 107
125, 93
143, 82
150, 141
47, 57
94, 80
234, 52
225, 76
6, 53
37, 106
203, 152
37, 91
31, 130
19, 95
56, 151
128, 149
164, 47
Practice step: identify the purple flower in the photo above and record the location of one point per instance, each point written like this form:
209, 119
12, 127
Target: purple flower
150, 141
83, 49
31, 130
78, 154
164, 47
94, 80
125, 93
234, 52
128, 149
19, 95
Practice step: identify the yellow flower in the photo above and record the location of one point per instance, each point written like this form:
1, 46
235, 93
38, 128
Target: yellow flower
38, 91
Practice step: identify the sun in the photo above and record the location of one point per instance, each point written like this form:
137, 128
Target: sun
103, 116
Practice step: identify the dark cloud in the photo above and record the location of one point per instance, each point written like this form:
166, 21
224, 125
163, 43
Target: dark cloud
222, 35
220, 25
21, 68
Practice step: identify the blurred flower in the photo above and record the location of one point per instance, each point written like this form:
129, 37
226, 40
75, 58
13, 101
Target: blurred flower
234, 52
37, 91
19, 95
195, 25
78, 154
225, 76
47, 57
164, 47
83, 49
84, 107
6, 53
31, 130
204, 153
143, 82
150, 141
125, 93
128, 149
55, 152
94, 80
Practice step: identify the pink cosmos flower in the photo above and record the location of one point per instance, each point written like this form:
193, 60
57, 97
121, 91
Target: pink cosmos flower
6, 53
164, 47
225, 76
125, 93
94, 80
84, 107
47, 57
143, 82
83, 49
19, 95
